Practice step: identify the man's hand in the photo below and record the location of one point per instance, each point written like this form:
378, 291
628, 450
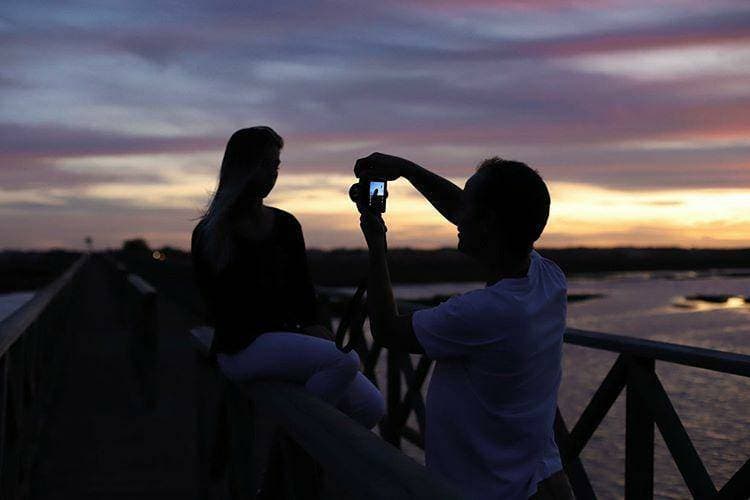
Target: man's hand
383, 166
374, 229
318, 331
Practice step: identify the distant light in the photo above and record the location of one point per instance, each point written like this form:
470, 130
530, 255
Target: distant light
158, 255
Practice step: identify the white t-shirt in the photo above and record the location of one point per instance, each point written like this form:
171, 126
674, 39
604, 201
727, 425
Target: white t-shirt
493, 394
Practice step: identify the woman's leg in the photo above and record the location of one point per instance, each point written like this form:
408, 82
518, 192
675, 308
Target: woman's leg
317, 363
363, 402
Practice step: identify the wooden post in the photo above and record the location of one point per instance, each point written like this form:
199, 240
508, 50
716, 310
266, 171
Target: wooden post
145, 338
391, 428
3, 418
639, 435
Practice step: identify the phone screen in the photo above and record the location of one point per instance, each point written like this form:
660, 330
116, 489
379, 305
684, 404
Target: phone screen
377, 195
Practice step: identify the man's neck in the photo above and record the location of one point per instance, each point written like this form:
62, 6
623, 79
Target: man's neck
504, 269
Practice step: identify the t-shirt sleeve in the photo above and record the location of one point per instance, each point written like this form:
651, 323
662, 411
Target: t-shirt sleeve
459, 326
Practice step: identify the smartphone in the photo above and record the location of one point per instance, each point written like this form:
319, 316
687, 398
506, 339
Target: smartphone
377, 194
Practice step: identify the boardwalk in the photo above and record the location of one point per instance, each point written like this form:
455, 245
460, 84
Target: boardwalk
99, 442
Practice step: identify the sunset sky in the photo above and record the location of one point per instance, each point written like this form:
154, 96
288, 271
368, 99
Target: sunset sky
114, 115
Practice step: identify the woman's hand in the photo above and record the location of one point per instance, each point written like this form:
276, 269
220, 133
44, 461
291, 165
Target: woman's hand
382, 166
373, 227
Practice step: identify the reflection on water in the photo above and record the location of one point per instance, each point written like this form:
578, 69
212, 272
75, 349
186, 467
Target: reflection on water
714, 407
701, 303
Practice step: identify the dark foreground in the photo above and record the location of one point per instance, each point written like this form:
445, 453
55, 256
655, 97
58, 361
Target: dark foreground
99, 441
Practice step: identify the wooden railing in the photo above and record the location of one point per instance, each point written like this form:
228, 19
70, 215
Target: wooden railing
34, 343
322, 453
647, 404
138, 312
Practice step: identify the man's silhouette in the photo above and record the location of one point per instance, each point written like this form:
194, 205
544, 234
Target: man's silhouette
493, 394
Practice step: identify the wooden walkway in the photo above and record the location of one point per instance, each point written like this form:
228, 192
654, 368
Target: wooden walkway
99, 442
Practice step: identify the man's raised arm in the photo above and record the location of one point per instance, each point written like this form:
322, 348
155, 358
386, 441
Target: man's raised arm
445, 196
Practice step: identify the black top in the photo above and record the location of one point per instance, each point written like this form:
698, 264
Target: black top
267, 287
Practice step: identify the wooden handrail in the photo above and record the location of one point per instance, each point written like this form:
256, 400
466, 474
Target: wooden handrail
357, 460
33, 351
363, 464
647, 406
143, 287
17, 323
710, 359
139, 310
699, 357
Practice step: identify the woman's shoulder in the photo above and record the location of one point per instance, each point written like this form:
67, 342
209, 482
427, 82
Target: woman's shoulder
285, 219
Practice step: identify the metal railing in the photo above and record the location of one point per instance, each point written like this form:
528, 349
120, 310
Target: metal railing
647, 405
34, 342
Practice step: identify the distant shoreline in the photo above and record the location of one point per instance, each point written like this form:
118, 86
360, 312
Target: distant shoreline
22, 270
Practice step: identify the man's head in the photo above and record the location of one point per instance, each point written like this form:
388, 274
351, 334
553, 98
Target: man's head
506, 206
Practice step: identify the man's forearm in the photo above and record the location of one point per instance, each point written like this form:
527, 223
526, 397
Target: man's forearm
439, 191
380, 301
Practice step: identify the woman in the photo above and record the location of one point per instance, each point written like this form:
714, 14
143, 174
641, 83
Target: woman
251, 268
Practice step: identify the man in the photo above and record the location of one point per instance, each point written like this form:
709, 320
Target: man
493, 394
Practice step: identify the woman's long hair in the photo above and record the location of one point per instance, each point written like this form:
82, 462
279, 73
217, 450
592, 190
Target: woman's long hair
244, 151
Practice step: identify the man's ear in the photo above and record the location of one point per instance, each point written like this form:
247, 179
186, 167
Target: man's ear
489, 222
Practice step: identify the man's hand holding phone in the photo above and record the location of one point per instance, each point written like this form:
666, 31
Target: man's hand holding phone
383, 166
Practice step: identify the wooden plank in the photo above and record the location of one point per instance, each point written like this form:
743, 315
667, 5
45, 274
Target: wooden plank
371, 361
710, 359
364, 465
243, 473
356, 303
142, 286
573, 466
639, 434
603, 399
3, 410
675, 436
414, 436
738, 486
393, 397
413, 398
17, 323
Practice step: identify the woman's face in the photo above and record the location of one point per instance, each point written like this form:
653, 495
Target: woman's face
266, 174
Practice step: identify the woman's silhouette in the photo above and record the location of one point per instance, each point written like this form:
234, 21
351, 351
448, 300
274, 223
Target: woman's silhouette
251, 268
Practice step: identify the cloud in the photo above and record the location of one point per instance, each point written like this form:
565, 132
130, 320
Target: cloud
132, 104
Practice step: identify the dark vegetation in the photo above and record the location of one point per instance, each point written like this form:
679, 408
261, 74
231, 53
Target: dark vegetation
172, 272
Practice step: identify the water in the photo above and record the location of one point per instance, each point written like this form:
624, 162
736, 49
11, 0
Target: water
714, 407
9, 302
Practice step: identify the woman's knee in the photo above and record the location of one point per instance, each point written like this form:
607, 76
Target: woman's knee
349, 363
375, 410
364, 402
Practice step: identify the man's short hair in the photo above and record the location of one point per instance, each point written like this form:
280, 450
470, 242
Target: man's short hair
519, 197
